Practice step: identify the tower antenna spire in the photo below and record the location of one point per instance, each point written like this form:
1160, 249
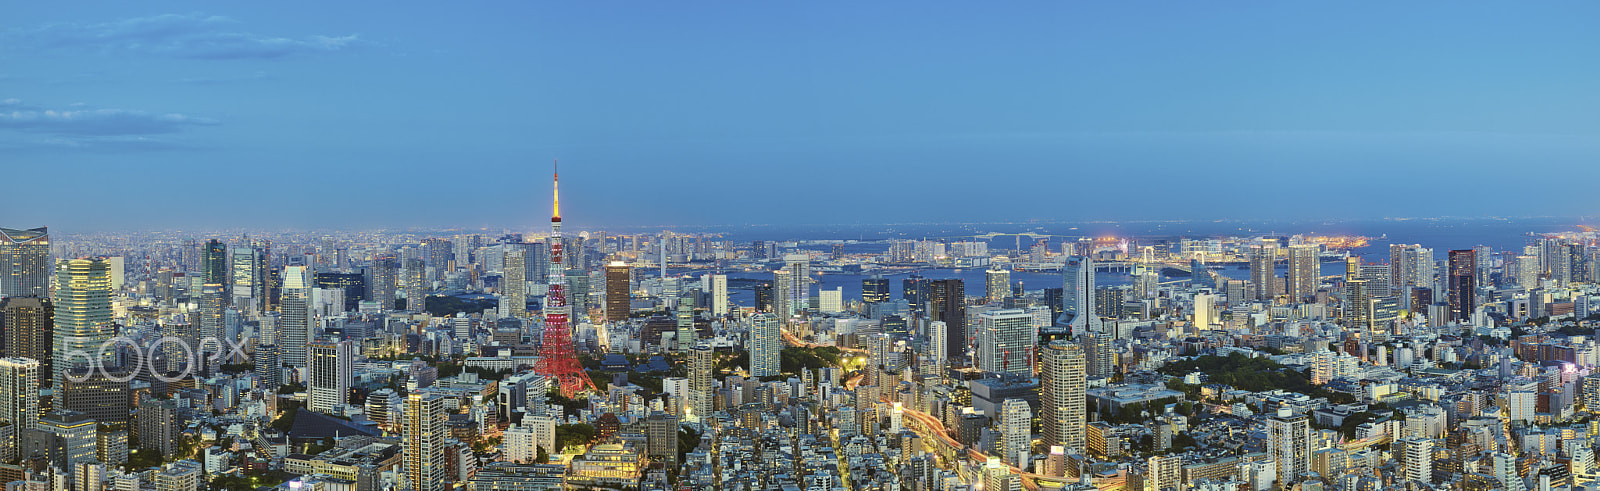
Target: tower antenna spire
555, 214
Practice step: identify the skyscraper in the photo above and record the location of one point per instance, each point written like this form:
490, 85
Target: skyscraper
294, 327
1062, 386
214, 263
381, 282
1304, 274
28, 324
331, 374
417, 285
997, 284
1005, 342
1077, 292
792, 286
1358, 315
947, 302
25, 262
212, 304
765, 344
1463, 284
701, 363
1289, 443
249, 276
719, 295
513, 284
1263, 262
82, 314
619, 291
423, 431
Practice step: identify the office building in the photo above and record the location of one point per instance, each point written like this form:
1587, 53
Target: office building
997, 283
619, 291
102, 395
82, 314
353, 286
947, 302
417, 285
874, 290
381, 281
214, 263
424, 435
1289, 444
331, 375
1062, 388
25, 262
27, 325
249, 276
1005, 342
1463, 277
297, 321
791, 286
1304, 272
1077, 292
765, 345
268, 365
213, 303
72, 437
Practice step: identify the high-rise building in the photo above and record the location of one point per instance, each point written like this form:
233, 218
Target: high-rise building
1263, 262
381, 282
331, 374
1358, 316
71, 432
1463, 284
1304, 272
158, 425
719, 295
424, 433
213, 302
249, 276
297, 321
1016, 432
1077, 292
82, 315
25, 262
701, 362
19, 393
874, 290
1099, 357
765, 345
214, 263
1062, 386
417, 285
268, 365
27, 324
997, 284
1005, 342
1416, 458
537, 261
1289, 443
661, 437
792, 286
947, 302
619, 292
513, 283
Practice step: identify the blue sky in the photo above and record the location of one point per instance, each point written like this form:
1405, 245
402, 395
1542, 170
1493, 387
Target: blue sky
357, 114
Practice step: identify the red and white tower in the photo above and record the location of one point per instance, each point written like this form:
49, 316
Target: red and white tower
556, 357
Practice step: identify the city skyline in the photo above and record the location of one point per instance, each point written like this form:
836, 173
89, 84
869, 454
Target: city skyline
448, 118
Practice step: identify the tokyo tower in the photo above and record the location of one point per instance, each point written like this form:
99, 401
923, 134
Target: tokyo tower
556, 358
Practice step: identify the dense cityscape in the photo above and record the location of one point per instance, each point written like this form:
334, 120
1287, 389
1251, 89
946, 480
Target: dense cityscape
547, 360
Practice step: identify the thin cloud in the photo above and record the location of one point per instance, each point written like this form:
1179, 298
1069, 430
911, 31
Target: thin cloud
194, 36
25, 125
224, 80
